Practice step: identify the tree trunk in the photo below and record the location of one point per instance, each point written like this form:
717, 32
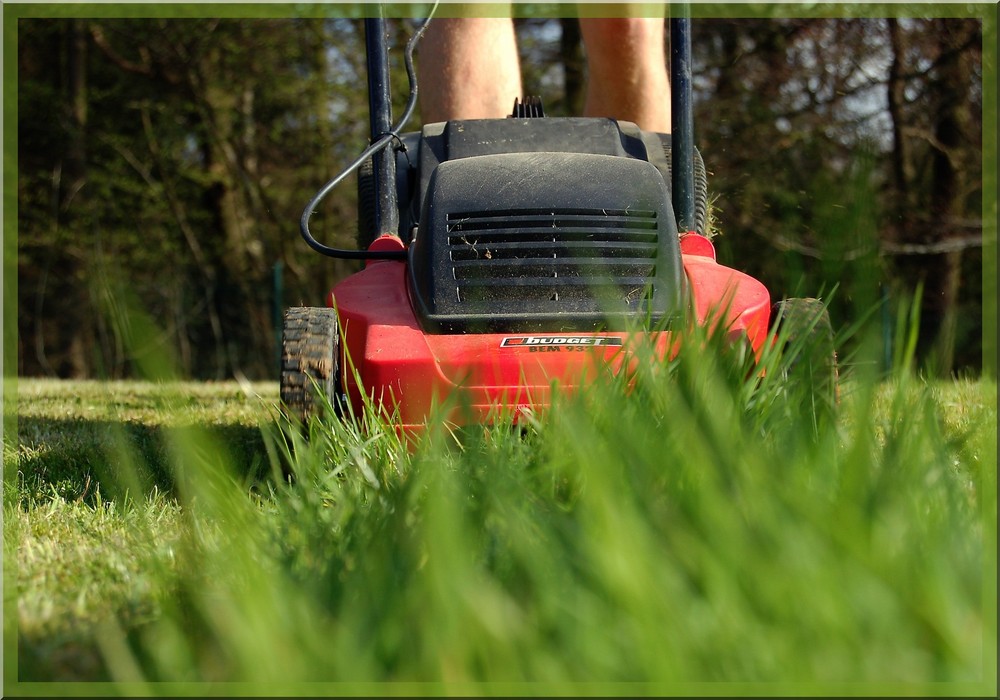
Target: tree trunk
75, 335
948, 178
571, 57
896, 100
928, 206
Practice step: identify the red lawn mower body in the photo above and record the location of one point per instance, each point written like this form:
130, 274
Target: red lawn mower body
407, 371
507, 256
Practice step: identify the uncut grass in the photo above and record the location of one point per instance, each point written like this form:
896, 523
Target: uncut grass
685, 526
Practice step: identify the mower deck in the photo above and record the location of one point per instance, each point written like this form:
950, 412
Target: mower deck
408, 371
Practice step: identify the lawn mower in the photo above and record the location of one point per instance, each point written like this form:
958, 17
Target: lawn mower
503, 257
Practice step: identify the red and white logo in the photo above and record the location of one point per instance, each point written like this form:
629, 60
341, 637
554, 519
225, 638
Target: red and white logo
520, 341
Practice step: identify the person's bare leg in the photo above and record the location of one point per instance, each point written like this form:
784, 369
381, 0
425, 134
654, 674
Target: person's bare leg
468, 69
627, 71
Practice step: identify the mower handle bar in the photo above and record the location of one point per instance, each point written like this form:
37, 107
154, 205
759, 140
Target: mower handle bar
682, 128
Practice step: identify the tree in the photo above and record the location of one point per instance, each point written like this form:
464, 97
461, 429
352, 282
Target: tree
164, 164
204, 139
934, 193
849, 151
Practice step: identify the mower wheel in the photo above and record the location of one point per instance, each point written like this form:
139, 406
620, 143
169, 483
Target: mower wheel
810, 367
309, 361
700, 186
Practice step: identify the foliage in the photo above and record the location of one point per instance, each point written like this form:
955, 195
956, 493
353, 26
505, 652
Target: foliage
200, 139
820, 136
843, 152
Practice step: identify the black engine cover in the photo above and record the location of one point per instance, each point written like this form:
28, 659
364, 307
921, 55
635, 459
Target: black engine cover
543, 225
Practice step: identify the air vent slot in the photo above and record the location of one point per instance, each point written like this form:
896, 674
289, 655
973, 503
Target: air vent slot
545, 240
551, 255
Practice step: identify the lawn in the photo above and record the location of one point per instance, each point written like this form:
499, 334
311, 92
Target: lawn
684, 534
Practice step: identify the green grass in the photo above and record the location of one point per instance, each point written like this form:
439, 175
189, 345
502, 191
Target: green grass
91, 516
687, 534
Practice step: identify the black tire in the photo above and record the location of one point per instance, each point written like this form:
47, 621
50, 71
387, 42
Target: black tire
310, 355
810, 369
700, 186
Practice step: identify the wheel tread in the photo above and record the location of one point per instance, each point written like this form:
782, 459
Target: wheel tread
309, 360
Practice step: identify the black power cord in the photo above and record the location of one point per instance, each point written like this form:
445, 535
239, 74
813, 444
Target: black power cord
379, 144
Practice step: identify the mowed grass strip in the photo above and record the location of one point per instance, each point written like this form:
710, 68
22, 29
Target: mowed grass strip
93, 530
75, 435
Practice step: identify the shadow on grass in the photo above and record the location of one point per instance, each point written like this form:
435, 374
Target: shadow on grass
79, 459
60, 661
94, 462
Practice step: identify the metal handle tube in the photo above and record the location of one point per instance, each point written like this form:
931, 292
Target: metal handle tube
378, 145
682, 118
386, 212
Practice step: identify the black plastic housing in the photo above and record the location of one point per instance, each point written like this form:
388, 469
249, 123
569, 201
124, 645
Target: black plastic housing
539, 224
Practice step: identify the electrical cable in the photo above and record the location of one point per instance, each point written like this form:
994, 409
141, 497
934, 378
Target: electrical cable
379, 144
